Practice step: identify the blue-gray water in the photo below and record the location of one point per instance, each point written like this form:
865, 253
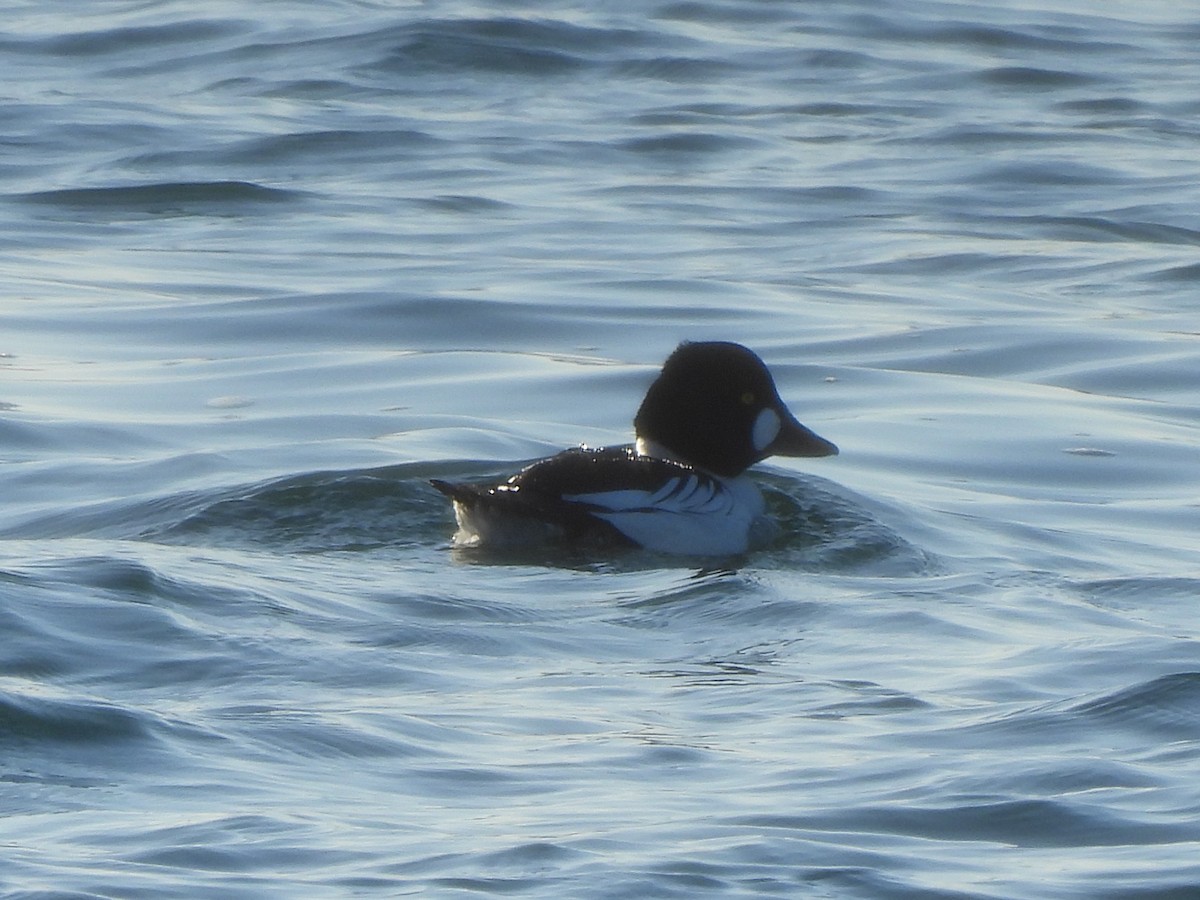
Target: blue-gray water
267, 268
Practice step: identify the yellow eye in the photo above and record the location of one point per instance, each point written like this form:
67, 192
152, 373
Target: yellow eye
748, 398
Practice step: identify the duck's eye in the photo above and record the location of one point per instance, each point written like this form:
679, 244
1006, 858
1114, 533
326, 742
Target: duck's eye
748, 398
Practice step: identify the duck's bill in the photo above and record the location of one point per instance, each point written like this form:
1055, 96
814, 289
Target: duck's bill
795, 439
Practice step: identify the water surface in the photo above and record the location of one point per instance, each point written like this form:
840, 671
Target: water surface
265, 275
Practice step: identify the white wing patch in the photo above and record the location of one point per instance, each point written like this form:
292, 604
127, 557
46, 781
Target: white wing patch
692, 514
690, 495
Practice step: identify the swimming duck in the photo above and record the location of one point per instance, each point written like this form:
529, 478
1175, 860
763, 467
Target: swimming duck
712, 413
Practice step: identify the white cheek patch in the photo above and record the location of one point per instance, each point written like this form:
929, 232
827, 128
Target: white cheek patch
766, 429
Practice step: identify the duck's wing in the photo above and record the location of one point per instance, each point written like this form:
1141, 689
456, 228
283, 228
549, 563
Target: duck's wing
582, 493
664, 487
531, 506
619, 474
666, 506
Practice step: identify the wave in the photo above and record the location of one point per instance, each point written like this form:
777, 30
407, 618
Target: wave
42, 720
507, 46
166, 198
826, 527
313, 512
1167, 706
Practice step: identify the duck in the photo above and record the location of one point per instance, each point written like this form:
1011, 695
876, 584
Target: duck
680, 488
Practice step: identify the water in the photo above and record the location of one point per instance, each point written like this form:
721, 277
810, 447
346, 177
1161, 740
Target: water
265, 272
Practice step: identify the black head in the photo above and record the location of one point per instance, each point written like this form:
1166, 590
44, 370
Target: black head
715, 406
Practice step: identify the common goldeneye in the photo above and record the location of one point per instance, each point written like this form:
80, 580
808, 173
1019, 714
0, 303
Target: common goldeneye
712, 412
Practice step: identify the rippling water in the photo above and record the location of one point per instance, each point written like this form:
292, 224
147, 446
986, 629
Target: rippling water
266, 271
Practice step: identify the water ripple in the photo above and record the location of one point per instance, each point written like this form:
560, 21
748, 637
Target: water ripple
1168, 706
174, 198
43, 720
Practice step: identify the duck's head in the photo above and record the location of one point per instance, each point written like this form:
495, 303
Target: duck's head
715, 406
